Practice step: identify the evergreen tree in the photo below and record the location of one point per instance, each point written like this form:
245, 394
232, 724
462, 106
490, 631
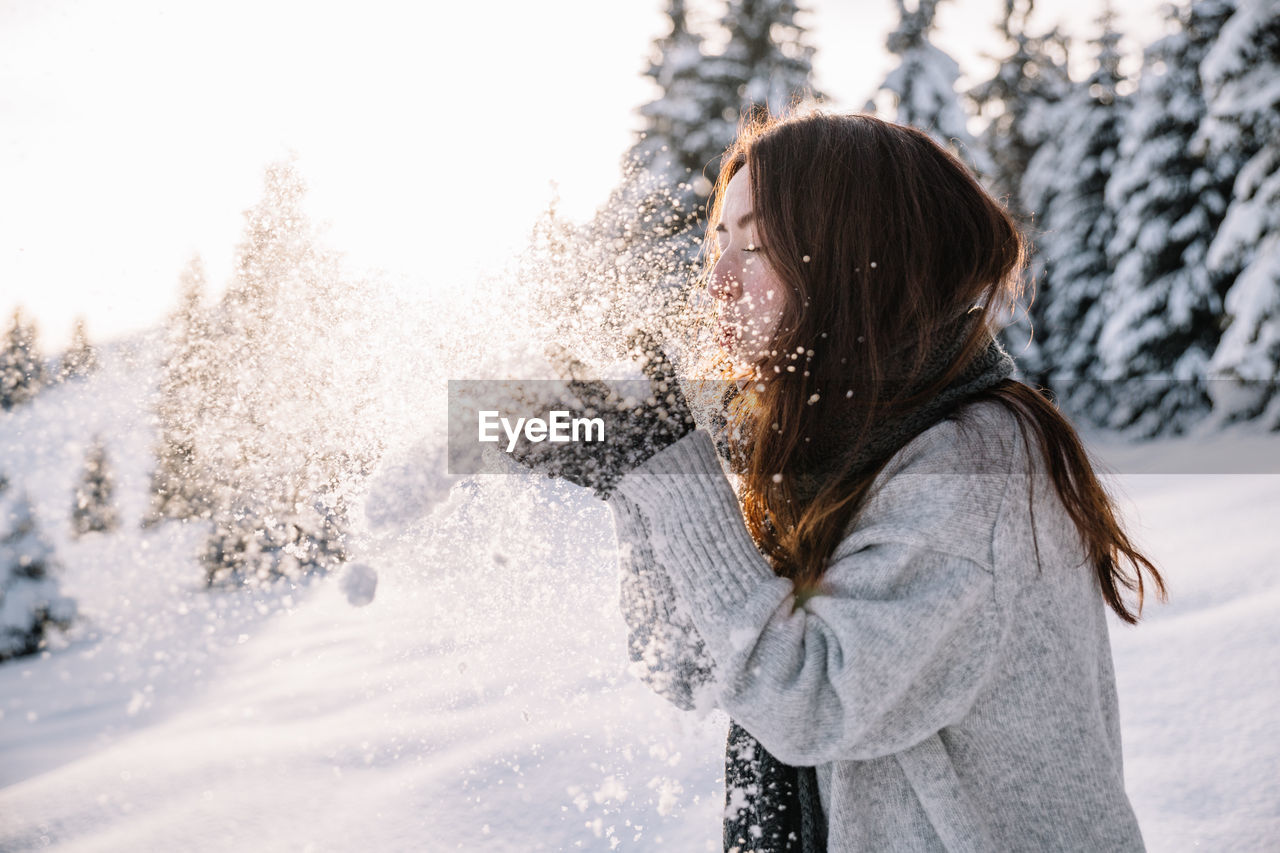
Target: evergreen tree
691, 120
322, 533
768, 54
288, 414
276, 255
93, 509
81, 357
643, 243
21, 367
258, 544
1020, 106
1241, 75
1018, 102
634, 262
922, 87
241, 548
249, 468
180, 486
1065, 189
1164, 303
651, 219
30, 602
766, 64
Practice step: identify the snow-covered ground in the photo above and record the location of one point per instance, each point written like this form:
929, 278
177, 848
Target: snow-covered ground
482, 700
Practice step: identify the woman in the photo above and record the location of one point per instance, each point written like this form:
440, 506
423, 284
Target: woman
903, 606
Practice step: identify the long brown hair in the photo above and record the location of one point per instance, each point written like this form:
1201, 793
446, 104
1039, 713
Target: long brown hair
882, 239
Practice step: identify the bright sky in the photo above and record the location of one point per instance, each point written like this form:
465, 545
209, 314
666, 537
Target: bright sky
133, 133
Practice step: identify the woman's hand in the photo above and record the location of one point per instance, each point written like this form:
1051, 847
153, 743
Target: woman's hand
639, 420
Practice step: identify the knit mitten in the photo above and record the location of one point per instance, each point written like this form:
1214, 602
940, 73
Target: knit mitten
635, 428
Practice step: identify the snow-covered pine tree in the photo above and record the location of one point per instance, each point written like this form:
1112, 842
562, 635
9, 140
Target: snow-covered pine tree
30, 601
1163, 308
766, 64
290, 416
1018, 105
250, 468
1241, 75
180, 486
636, 261
234, 552
652, 211
93, 507
669, 172
688, 124
1030, 79
81, 358
254, 544
921, 89
321, 545
274, 255
1065, 191
21, 367
769, 54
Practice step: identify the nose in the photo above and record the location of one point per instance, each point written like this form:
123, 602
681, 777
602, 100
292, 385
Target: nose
723, 284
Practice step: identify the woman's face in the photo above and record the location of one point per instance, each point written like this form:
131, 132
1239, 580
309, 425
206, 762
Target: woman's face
747, 292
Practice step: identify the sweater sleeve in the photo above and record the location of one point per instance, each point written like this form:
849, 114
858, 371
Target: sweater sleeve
666, 651
893, 647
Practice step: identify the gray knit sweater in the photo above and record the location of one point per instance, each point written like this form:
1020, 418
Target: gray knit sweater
951, 694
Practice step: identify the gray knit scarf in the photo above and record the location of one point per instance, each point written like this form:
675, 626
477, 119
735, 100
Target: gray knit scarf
777, 807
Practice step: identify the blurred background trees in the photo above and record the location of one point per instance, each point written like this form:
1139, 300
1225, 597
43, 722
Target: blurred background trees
1153, 203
